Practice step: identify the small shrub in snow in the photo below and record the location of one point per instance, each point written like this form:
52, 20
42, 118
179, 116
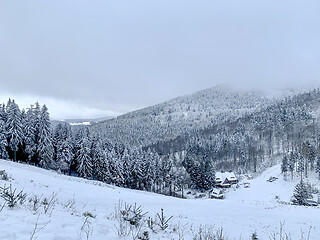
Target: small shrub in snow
181, 230
49, 203
86, 228
281, 234
151, 224
163, 221
254, 236
122, 226
208, 233
132, 214
70, 204
130, 221
4, 176
123, 229
35, 202
11, 197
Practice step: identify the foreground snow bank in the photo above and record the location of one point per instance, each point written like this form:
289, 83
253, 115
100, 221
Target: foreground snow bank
84, 208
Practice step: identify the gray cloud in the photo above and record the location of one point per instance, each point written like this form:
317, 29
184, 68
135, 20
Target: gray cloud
123, 55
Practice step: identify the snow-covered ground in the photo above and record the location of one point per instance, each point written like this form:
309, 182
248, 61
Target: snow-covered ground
80, 123
242, 212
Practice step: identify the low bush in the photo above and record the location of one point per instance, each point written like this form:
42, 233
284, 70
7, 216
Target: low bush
10, 196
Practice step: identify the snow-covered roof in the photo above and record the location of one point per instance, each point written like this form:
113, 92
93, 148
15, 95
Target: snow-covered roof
223, 175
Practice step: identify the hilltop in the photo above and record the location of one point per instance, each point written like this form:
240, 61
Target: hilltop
182, 115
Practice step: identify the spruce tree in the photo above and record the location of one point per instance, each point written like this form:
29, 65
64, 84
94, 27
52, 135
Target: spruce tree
65, 153
115, 168
127, 169
29, 134
98, 159
209, 173
84, 161
14, 127
284, 166
148, 169
291, 163
301, 193
3, 114
45, 146
57, 141
3, 141
63, 147
301, 165
157, 173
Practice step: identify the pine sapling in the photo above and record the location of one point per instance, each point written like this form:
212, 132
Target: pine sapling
10, 196
151, 224
163, 221
132, 214
254, 236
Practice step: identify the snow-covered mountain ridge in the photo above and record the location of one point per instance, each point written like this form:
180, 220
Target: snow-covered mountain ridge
244, 211
181, 115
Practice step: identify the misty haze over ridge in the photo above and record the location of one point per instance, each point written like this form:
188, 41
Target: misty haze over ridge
271, 93
79, 113
108, 58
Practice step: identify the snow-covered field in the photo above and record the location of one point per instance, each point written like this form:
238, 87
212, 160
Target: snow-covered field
244, 211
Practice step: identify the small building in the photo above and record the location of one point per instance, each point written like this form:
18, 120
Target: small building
218, 194
225, 179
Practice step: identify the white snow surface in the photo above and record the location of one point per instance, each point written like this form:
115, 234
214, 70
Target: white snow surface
242, 212
80, 123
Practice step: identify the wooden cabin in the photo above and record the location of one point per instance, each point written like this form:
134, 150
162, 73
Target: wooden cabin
225, 179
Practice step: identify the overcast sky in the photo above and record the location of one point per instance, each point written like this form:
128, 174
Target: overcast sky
98, 57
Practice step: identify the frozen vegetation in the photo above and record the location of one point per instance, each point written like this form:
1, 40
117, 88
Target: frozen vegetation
181, 115
148, 174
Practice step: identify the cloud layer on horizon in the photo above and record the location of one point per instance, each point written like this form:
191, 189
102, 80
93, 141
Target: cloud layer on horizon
122, 55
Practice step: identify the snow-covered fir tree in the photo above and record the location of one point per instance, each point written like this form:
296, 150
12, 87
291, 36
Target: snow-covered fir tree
301, 193
29, 134
14, 127
291, 163
3, 114
284, 166
116, 169
83, 158
301, 165
45, 146
3, 141
99, 162
63, 147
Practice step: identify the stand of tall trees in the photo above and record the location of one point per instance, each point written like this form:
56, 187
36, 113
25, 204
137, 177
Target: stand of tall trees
256, 140
27, 136
288, 129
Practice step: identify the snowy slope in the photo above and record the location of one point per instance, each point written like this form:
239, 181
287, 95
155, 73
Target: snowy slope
243, 212
181, 115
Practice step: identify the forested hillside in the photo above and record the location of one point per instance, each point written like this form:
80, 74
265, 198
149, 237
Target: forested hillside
211, 130
181, 115
279, 129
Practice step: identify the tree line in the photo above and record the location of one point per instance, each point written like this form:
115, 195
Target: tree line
27, 136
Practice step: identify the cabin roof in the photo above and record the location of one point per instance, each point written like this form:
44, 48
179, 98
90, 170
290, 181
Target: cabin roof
223, 175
